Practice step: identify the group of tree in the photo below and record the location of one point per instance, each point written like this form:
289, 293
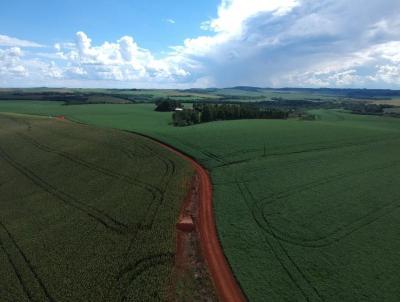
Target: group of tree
202, 113
165, 104
186, 117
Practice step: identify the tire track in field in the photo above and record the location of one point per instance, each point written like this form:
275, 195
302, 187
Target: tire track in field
274, 197
170, 170
28, 265
124, 150
96, 214
156, 193
338, 145
310, 150
135, 270
132, 155
153, 190
342, 231
294, 272
146, 224
255, 170
131, 267
16, 272
215, 157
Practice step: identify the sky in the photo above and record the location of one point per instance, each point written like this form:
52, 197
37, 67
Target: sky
207, 43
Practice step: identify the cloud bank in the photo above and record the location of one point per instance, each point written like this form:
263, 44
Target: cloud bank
274, 43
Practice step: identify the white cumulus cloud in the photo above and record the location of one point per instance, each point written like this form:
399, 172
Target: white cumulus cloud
297, 43
122, 60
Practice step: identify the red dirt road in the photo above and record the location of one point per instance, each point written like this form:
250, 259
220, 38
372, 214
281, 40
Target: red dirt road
225, 283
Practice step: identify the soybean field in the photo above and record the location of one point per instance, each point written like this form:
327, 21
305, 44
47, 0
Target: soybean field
86, 214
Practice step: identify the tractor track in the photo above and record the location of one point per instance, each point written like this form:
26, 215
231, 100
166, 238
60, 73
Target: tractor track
35, 276
98, 215
132, 272
156, 192
293, 271
77, 160
335, 235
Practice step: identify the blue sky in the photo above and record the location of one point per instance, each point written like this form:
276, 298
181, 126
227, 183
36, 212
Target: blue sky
48, 22
192, 43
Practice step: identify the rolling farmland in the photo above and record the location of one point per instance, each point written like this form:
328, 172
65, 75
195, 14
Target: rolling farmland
87, 214
305, 210
200, 151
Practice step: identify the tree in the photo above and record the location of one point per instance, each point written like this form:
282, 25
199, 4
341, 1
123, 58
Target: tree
167, 105
206, 114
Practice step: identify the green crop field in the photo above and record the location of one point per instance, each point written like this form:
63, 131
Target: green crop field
306, 210
393, 102
86, 214
270, 94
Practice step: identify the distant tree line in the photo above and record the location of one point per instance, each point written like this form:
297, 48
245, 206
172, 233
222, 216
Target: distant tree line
44, 96
202, 113
373, 94
365, 108
70, 98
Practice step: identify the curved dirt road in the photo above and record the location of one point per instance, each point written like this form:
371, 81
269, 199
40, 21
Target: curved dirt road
226, 286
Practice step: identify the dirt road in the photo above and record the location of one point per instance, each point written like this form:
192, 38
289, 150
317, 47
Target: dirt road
225, 283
